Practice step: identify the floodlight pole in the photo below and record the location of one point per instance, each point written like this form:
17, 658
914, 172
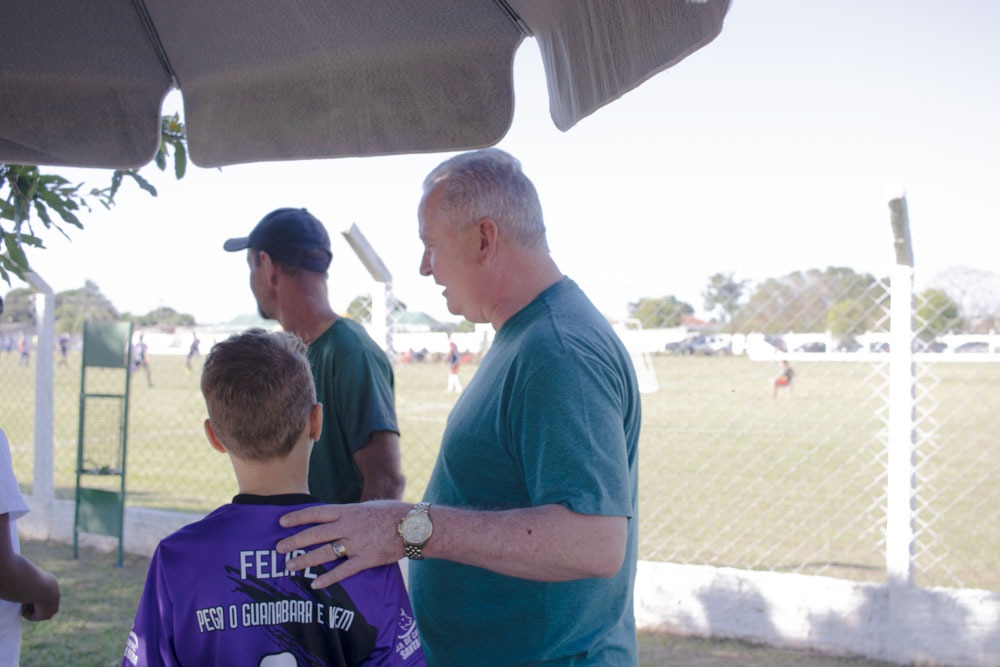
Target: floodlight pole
381, 308
901, 459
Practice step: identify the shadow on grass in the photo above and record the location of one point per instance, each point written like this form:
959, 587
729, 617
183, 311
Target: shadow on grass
99, 601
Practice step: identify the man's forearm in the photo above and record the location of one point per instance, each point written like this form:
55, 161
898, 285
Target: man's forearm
379, 464
547, 543
22, 582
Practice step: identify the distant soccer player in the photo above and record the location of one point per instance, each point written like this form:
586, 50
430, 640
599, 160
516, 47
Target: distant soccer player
217, 592
453, 360
140, 359
194, 351
782, 379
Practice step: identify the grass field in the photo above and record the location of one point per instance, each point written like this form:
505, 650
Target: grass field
728, 476
99, 601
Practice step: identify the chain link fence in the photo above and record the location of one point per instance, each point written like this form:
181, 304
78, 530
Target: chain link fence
739, 472
735, 471
170, 464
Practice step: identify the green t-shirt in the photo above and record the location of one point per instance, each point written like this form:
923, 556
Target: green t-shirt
551, 416
354, 382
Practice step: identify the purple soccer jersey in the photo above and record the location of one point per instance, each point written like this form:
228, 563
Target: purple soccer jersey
217, 592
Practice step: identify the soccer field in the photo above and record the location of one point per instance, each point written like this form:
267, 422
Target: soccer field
728, 476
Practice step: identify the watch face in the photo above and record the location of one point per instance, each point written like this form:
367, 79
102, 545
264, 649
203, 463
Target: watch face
416, 528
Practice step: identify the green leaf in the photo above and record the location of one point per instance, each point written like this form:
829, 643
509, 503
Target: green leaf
15, 252
33, 182
43, 213
143, 183
56, 179
61, 206
12, 239
180, 160
116, 182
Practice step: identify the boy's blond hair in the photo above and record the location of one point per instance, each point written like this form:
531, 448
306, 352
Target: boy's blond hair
259, 391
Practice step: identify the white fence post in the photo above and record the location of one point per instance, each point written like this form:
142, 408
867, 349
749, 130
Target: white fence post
43, 489
901, 465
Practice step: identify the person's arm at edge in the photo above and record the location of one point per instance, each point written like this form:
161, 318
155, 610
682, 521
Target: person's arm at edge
21, 581
379, 464
545, 543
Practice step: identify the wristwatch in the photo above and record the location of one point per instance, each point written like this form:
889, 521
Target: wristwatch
415, 529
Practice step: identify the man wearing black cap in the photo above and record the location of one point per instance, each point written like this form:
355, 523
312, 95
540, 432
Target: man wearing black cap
357, 455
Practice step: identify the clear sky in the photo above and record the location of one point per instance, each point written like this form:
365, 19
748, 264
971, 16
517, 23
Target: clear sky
773, 149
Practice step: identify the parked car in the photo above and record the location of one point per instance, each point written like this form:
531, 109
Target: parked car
678, 347
929, 346
703, 345
977, 347
777, 342
709, 345
811, 347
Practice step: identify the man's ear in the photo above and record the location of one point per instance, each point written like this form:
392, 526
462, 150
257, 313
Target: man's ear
315, 421
268, 266
212, 438
489, 233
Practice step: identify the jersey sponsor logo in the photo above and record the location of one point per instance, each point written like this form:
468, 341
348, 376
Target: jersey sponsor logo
132, 648
407, 639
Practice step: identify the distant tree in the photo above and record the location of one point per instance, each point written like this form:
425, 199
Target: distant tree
723, 294
164, 317
19, 306
25, 190
976, 293
360, 308
74, 307
802, 300
659, 313
935, 314
845, 320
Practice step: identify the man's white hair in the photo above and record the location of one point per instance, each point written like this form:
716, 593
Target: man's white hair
490, 183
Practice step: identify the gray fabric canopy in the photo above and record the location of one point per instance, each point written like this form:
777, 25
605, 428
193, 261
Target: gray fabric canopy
82, 83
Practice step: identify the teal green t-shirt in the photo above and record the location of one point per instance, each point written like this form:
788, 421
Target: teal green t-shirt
355, 384
551, 416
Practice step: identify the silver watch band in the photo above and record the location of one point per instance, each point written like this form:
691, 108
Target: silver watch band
414, 551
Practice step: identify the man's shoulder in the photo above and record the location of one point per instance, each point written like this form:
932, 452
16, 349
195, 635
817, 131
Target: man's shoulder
344, 332
570, 321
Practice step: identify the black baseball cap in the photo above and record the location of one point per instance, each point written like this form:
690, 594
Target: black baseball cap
291, 236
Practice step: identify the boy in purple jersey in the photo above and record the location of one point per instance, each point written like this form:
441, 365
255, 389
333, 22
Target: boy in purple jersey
217, 592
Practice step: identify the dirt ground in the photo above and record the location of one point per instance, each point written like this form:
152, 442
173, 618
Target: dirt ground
663, 650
